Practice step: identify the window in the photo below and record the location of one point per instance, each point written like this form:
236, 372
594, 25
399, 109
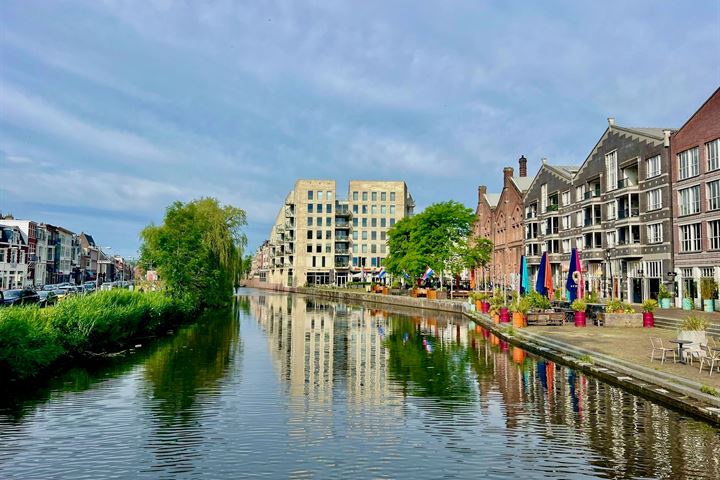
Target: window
382, 248
319, 208
392, 196
319, 221
654, 199
355, 222
318, 248
713, 154
363, 249
328, 248
329, 195
328, 208
611, 211
566, 198
383, 196
373, 196
383, 222
373, 209
364, 222
566, 222
309, 234
364, 235
320, 195
309, 222
355, 234
328, 221
310, 194
707, 272
652, 167
364, 210
689, 199
611, 170
543, 198
655, 233
653, 269
354, 249
610, 239
310, 208
713, 194
355, 196
690, 238
373, 235
392, 222
364, 196
392, 209
373, 249
688, 163
383, 209
383, 236
355, 209
328, 234
580, 193
714, 233
373, 222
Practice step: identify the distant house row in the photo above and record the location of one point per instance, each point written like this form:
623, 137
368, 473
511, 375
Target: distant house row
34, 254
643, 208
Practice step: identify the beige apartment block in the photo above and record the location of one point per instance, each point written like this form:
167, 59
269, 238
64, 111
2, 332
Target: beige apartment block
319, 238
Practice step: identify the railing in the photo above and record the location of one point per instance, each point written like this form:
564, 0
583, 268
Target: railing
625, 182
553, 208
628, 213
341, 224
532, 214
341, 251
591, 194
589, 222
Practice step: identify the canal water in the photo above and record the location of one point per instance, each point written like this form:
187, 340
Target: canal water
288, 386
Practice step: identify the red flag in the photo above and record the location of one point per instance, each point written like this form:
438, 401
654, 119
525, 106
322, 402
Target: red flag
548, 279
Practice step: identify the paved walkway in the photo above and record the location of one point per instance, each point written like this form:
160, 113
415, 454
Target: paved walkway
629, 344
680, 314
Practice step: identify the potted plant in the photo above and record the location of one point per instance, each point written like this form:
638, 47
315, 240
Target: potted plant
579, 306
648, 308
520, 308
496, 303
707, 290
687, 303
664, 297
693, 329
620, 314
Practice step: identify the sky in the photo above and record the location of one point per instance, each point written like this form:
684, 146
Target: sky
110, 111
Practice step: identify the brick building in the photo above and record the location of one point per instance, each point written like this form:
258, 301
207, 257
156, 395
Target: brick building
499, 217
695, 155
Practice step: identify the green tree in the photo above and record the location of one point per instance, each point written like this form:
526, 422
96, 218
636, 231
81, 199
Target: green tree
197, 250
433, 237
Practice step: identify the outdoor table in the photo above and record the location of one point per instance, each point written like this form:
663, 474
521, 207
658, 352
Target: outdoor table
680, 344
593, 309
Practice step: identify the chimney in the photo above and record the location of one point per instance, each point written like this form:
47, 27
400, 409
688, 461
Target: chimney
611, 121
543, 160
523, 166
508, 172
482, 189
666, 140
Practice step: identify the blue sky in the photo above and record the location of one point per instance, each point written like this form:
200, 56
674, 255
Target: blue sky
109, 111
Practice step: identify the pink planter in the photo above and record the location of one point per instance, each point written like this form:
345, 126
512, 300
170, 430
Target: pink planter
579, 319
485, 307
504, 315
648, 319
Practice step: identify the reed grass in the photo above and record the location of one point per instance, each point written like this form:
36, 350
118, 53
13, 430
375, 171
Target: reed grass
32, 340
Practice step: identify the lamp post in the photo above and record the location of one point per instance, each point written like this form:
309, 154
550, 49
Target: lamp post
610, 277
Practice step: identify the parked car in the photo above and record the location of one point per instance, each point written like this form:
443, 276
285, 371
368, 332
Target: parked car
18, 297
51, 286
66, 291
108, 286
47, 298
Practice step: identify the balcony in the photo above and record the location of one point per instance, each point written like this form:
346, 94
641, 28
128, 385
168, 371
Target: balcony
553, 208
628, 213
625, 183
591, 194
589, 222
341, 263
340, 223
342, 211
341, 251
531, 214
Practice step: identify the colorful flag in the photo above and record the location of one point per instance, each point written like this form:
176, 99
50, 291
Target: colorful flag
405, 274
382, 273
429, 272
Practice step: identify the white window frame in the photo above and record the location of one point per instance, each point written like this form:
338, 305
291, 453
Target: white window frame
654, 199
688, 163
713, 195
714, 234
689, 200
611, 178
653, 167
655, 233
690, 237
712, 149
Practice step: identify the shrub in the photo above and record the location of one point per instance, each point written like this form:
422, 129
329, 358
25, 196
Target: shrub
593, 297
538, 301
578, 305
663, 293
618, 306
707, 288
709, 390
694, 323
649, 305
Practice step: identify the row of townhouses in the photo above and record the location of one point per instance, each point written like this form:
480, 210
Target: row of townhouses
319, 238
643, 208
33, 254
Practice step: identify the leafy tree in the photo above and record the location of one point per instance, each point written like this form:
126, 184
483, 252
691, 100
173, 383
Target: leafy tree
436, 237
197, 250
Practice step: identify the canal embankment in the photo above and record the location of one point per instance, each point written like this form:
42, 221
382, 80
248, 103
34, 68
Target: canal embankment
681, 392
36, 341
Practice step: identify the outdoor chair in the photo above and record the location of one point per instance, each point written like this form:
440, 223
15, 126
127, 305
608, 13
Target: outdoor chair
711, 357
694, 351
657, 346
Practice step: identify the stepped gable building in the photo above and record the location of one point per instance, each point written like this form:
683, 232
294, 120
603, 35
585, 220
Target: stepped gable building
695, 160
499, 217
619, 213
549, 191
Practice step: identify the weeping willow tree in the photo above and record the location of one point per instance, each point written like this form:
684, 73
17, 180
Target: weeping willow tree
197, 251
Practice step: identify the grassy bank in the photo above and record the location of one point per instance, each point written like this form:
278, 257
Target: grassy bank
32, 340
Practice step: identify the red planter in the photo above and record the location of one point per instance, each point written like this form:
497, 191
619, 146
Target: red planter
648, 319
485, 307
504, 315
579, 319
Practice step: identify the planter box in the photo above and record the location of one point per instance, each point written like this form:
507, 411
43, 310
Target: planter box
695, 336
441, 295
620, 319
542, 319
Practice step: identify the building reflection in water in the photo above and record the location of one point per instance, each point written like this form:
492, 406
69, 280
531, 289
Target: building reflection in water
327, 352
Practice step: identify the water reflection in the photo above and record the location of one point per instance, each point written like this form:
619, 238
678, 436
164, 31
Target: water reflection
318, 345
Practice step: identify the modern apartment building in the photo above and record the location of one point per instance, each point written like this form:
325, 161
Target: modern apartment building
549, 191
695, 155
319, 238
618, 213
499, 217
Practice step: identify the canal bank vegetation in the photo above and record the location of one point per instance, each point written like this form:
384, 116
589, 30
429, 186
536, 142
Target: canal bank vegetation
34, 339
197, 251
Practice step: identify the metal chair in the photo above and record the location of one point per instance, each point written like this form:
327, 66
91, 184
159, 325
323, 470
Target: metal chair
657, 346
710, 356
